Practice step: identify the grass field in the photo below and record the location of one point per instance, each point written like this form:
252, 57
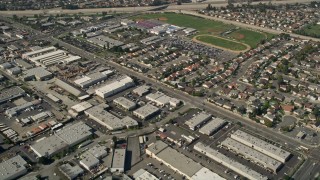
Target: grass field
252, 38
210, 27
222, 42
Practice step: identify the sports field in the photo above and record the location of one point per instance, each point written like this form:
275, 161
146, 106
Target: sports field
224, 43
252, 38
210, 27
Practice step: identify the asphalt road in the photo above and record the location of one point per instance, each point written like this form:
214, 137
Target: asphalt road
186, 6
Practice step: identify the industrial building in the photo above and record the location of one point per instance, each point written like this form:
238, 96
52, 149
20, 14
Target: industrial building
213, 126
48, 146
142, 90
261, 146
204, 173
98, 151
146, 112
142, 174
161, 99
13, 168
151, 40
115, 87
88, 161
11, 93
49, 56
54, 98
228, 162
198, 120
38, 73
92, 79
118, 160
66, 137
75, 133
175, 160
104, 41
110, 121
14, 71
79, 108
69, 88
252, 155
17, 109
71, 172
125, 103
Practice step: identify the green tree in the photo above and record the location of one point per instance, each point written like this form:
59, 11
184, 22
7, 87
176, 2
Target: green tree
268, 123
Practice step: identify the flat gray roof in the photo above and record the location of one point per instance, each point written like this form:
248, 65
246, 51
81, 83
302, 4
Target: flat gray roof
112, 122
89, 160
252, 154
124, 102
142, 174
156, 147
12, 168
228, 162
48, 146
38, 72
98, 151
119, 157
261, 145
102, 41
146, 110
71, 171
198, 119
179, 161
141, 90
212, 126
11, 93
74, 133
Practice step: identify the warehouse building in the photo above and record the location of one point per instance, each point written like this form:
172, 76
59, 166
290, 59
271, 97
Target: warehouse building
205, 174
146, 112
161, 99
49, 56
118, 160
110, 121
38, 52
11, 93
38, 73
261, 146
13, 168
23, 64
14, 71
93, 79
142, 90
98, 151
54, 98
115, 87
71, 171
17, 109
252, 155
228, 162
125, 103
79, 108
104, 41
69, 88
75, 133
88, 161
48, 146
175, 160
151, 40
62, 139
213, 126
198, 120
142, 174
